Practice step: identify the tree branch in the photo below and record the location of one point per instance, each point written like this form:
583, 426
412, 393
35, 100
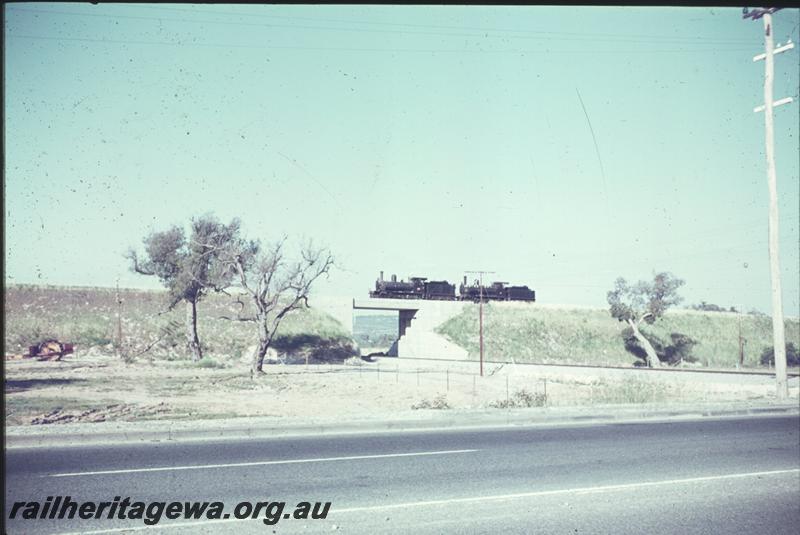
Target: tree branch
251, 319
137, 267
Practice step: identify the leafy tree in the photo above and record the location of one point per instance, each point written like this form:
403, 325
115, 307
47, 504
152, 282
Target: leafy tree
644, 302
189, 269
273, 285
792, 356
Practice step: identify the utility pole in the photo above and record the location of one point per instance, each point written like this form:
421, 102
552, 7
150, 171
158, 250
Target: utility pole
480, 311
742, 340
119, 321
778, 338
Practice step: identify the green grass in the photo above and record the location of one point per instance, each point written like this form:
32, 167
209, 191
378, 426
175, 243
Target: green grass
592, 336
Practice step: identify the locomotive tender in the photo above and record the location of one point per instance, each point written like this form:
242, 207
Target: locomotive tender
422, 288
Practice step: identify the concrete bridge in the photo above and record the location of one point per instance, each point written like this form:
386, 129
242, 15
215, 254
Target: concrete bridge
417, 321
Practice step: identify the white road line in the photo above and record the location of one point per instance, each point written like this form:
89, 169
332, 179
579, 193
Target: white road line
257, 463
580, 490
171, 525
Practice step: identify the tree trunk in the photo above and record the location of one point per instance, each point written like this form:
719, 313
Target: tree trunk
191, 331
652, 357
261, 350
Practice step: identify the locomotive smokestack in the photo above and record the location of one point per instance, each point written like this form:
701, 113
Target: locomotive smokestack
381, 279
394, 278
465, 280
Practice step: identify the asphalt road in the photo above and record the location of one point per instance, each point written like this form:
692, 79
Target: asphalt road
737, 475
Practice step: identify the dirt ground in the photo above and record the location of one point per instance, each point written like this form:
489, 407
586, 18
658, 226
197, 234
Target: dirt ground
96, 388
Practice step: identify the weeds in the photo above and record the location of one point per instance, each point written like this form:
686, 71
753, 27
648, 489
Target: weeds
209, 362
28, 333
628, 391
521, 399
439, 402
91, 335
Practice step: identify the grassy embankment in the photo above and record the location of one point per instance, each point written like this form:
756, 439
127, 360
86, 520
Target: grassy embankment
546, 334
87, 317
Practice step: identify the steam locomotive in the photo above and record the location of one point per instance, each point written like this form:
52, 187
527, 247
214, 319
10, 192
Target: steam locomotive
422, 288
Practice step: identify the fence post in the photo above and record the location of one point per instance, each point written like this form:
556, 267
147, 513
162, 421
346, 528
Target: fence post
417, 376
507, 398
447, 375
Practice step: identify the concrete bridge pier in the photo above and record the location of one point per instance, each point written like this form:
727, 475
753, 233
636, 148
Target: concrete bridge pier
405, 317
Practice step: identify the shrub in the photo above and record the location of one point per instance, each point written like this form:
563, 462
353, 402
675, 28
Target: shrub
316, 348
32, 334
792, 356
711, 307
92, 336
439, 402
208, 362
521, 398
678, 350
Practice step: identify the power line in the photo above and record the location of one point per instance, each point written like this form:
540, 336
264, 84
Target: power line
354, 49
709, 232
647, 37
550, 36
646, 258
597, 150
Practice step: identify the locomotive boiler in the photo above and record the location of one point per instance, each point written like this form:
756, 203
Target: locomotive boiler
415, 288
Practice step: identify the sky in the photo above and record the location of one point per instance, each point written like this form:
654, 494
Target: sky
559, 148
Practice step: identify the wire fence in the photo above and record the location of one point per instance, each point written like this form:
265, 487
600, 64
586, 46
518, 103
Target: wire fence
459, 384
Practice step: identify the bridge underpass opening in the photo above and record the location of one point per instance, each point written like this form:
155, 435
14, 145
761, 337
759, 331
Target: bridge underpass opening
378, 324
416, 322
375, 331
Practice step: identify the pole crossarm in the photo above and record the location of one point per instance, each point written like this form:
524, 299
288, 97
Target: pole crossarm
775, 104
780, 48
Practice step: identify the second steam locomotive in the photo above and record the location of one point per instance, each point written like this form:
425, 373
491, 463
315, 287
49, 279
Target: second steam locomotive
422, 288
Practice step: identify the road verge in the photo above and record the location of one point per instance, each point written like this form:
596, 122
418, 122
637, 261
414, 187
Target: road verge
108, 433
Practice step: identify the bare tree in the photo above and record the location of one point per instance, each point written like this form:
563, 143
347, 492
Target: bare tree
274, 286
644, 302
189, 269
